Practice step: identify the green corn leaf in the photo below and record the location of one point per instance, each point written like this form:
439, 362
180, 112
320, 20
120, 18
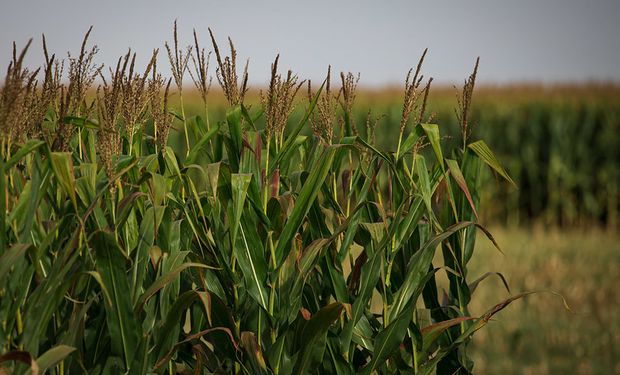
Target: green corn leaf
418, 267
389, 339
122, 326
172, 322
159, 189
165, 280
277, 356
424, 182
82, 122
63, 168
356, 217
48, 295
104, 289
213, 175
86, 185
198, 336
295, 272
24, 150
127, 206
246, 115
410, 141
303, 203
197, 125
53, 356
336, 281
239, 185
341, 366
362, 334
250, 254
484, 152
171, 162
312, 345
194, 152
10, 258
432, 133
405, 227
388, 158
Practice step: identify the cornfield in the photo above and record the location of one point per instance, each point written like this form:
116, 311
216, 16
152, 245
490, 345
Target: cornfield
560, 143
296, 246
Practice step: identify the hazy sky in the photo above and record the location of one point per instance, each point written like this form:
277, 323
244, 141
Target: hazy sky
534, 40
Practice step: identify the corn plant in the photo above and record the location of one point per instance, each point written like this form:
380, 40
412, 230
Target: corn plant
256, 249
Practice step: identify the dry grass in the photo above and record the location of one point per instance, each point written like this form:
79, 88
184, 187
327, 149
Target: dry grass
538, 335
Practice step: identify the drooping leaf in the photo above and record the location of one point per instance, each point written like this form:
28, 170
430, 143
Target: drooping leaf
418, 268
166, 279
25, 149
313, 332
253, 350
431, 333
389, 339
456, 173
53, 356
484, 152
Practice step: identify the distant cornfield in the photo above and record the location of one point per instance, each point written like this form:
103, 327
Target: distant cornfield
565, 157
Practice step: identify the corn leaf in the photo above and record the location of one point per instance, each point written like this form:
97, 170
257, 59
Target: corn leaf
484, 152
121, 323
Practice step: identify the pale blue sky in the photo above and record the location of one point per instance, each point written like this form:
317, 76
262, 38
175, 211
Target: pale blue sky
534, 40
